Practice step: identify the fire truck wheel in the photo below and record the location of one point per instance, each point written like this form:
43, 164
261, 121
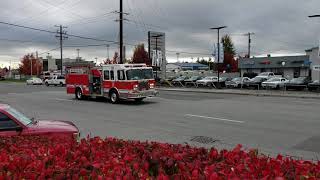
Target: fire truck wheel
79, 95
114, 97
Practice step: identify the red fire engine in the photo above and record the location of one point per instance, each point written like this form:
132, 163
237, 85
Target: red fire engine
113, 81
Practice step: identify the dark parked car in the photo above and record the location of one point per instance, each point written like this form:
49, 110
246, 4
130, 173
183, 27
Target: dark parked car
179, 81
2, 78
299, 83
255, 82
223, 81
191, 81
314, 86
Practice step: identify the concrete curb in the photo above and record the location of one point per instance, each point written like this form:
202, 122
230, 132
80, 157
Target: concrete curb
243, 93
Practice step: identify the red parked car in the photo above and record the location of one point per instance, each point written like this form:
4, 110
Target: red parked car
14, 123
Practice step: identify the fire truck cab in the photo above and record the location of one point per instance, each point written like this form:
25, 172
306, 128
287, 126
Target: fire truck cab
115, 81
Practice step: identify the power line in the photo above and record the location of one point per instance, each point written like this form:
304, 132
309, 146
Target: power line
26, 27
53, 32
195, 53
39, 14
49, 51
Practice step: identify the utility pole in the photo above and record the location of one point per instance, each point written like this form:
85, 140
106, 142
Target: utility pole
177, 56
218, 28
121, 19
78, 51
249, 43
108, 50
121, 30
62, 35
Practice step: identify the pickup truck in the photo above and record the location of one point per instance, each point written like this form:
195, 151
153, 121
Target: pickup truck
55, 80
266, 75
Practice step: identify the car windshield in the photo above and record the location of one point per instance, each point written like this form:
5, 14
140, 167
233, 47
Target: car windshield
273, 80
19, 116
194, 78
297, 80
257, 79
139, 74
236, 79
208, 78
180, 78
264, 74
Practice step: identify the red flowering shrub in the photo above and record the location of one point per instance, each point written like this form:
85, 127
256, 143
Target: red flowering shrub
95, 158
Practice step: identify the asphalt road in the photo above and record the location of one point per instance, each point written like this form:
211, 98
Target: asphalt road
273, 125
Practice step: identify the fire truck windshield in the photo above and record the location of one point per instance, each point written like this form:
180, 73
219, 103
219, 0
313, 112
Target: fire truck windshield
139, 74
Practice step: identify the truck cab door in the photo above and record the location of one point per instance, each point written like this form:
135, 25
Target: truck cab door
9, 127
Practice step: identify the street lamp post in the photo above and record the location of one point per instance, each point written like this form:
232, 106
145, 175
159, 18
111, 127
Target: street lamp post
218, 29
157, 36
283, 63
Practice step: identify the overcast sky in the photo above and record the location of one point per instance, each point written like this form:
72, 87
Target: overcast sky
280, 26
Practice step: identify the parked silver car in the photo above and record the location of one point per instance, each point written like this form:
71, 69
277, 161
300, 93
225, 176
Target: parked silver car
207, 81
237, 82
275, 83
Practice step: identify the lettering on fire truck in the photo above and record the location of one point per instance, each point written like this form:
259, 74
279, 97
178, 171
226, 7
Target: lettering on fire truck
114, 81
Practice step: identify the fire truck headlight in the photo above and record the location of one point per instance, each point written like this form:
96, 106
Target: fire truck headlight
151, 85
135, 87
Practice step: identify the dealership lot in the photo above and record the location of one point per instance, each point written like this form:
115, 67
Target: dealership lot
272, 124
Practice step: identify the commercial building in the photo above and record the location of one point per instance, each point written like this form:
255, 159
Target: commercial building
53, 64
288, 66
186, 67
314, 55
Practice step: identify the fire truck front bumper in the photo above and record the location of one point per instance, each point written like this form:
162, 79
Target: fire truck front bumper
138, 95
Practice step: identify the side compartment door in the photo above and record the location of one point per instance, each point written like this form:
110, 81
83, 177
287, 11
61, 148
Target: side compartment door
107, 81
121, 82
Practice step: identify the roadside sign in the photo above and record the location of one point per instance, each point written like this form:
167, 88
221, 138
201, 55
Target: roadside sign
16, 76
316, 67
221, 60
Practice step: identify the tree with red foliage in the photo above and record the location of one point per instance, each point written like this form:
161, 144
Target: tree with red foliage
25, 66
229, 64
114, 60
107, 61
140, 55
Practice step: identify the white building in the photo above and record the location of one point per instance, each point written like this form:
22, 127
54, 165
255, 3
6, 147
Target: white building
54, 64
315, 62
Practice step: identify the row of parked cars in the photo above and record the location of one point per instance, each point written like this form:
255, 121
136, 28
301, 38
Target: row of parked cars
266, 80
54, 80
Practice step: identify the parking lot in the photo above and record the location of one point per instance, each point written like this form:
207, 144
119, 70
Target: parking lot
271, 124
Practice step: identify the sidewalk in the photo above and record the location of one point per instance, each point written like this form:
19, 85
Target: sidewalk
274, 93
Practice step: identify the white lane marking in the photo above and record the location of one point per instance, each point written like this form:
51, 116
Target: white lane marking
215, 118
58, 99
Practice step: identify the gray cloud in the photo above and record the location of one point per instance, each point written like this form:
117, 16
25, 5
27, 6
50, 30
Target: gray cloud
279, 26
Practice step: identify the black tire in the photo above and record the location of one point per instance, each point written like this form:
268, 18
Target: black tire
78, 94
278, 87
114, 97
61, 84
47, 84
139, 100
